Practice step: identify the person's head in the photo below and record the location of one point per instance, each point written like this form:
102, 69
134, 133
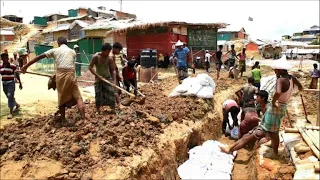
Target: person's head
244, 50
5, 57
15, 54
105, 49
232, 46
262, 97
280, 72
207, 51
133, 58
315, 66
256, 64
62, 40
131, 65
116, 48
234, 111
184, 45
124, 56
220, 47
250, 80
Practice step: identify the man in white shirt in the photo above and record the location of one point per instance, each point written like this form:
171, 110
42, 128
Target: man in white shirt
207, 60
65, 77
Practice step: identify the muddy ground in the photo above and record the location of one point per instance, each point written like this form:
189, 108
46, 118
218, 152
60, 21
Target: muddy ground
39, 147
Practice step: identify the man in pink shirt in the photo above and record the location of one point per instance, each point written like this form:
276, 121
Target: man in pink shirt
230, 106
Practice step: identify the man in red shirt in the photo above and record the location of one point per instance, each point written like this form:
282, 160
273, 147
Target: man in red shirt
7, 71
129, 75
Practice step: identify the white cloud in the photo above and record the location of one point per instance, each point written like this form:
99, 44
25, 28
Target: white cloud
271, 19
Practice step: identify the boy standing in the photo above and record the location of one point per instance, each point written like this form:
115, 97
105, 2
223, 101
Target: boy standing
7, 71
256, 74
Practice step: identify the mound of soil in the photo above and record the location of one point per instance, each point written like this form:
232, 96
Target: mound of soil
115, 136
87, 76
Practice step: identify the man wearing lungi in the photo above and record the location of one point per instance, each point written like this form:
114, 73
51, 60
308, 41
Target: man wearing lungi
66, 82
271, 120
104, 68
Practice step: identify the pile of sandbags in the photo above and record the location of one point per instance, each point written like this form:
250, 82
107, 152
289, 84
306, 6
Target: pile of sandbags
201, 86
207, 162
269, 84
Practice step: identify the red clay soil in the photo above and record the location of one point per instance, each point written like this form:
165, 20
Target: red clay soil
124, 134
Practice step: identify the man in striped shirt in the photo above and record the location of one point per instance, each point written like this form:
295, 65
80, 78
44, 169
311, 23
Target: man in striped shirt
7, 71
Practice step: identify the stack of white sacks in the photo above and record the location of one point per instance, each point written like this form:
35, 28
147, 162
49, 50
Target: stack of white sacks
269, 84
207, 162
201, 86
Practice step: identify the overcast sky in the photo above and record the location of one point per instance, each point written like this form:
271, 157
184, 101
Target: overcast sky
271, 19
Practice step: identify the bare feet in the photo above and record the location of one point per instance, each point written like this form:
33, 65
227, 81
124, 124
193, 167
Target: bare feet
224, 148
10, 116
17, 107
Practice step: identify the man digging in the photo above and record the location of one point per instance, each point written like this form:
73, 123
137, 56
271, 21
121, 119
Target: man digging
67, 85
271, 121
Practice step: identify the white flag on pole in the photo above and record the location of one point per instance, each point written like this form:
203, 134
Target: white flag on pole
250, 18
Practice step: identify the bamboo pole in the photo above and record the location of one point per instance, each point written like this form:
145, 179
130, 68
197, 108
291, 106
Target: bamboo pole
309, 142
314, 141
291, 130
313, 127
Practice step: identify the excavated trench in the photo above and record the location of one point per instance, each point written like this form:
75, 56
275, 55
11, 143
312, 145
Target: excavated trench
159, 161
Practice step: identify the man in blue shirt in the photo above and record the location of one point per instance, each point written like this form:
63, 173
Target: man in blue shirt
180, 55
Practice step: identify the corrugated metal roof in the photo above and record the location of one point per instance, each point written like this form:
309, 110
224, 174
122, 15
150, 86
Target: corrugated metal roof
231, 28
108, 24
6, 32
102, 11
292, 43
302, 51
71, 18
61, 27
80, 23
51, 14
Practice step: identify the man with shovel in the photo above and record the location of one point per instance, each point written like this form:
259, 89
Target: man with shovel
65, 77
105, 68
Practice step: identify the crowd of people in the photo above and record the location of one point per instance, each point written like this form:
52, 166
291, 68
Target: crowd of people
250, 101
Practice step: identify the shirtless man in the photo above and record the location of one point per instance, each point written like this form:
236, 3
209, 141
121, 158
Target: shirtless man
276, 110
247, 92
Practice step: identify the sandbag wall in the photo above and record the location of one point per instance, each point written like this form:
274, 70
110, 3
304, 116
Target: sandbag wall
207, 162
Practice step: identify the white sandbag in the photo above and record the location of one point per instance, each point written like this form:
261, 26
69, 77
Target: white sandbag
194, 87
209, 79
203, 80
213, 174
191, 170
205, 92
179, 90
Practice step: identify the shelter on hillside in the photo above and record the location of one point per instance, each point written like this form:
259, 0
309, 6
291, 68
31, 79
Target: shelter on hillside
13, 18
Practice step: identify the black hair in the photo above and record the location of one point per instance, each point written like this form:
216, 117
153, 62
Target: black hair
232, 45
62, 40
256, 63
244, 49
220, 46
117, 45
106, 47
234, 110
4, 55
264, 95
315, 65
251, 80
131, 64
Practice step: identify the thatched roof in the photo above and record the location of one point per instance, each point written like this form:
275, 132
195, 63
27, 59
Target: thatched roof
142, 26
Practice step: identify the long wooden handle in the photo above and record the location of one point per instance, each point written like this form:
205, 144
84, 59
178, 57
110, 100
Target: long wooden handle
40, 74
311, 90
137, 90
154, 76
115, 86
177, 73
304, 108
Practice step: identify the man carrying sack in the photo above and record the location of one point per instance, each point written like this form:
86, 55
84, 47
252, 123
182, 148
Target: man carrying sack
66, 83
